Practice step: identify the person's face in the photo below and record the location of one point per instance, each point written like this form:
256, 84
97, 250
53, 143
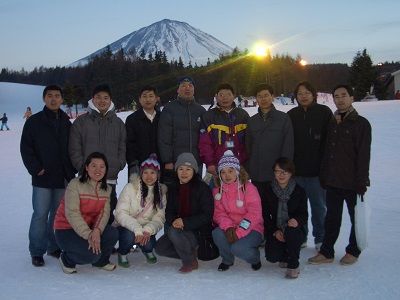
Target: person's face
102, 101
282, 176
304, 97
96, 169
225, 99
185, 174
264, 99
228, 175
53, 100
149, 177
186, 90
148, 100
342, 99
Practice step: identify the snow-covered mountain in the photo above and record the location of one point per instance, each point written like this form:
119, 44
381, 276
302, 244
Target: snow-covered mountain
177, 39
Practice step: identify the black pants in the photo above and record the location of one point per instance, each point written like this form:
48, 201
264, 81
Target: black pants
289, 251
333, 220
113, 203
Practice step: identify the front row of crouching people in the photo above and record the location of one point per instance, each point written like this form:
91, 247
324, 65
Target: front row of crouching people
232, 213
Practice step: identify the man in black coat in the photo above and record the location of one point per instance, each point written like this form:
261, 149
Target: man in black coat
44, 151
344, 173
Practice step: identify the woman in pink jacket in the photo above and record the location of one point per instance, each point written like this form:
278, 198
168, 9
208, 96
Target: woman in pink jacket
238, 214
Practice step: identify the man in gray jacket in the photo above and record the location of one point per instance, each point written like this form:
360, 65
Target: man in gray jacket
269, 135
100, 129
179, 126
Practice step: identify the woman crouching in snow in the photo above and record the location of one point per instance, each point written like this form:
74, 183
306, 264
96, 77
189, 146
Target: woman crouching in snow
238, 214
140, 211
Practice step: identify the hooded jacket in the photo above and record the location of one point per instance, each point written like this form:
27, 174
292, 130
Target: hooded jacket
103, 133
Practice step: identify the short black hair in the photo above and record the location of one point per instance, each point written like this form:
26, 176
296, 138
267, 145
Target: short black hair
345, 86
286, 164
85, 176
148, 88
53, 87
263, 86
103, 87
225, 86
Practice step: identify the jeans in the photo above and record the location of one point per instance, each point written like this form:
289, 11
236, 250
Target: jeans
288, 251
75, 248
45, 203
178, 243
127, 240
333, 221
4, 124
245, 248
317, 197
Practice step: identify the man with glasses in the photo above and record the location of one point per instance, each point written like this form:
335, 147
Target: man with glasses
344, 173
310, 126
269, 135
223, 128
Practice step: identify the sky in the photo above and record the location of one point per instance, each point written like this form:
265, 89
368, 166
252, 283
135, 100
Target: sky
374, 276
56, 33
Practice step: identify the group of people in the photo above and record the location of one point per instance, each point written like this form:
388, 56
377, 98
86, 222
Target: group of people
261, 170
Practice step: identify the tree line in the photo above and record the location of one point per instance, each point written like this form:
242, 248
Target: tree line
126, 73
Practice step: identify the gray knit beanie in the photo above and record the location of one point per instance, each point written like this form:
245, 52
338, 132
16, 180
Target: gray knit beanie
187, 159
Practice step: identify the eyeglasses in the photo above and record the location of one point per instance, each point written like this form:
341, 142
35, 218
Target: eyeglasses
304, 94
280, 172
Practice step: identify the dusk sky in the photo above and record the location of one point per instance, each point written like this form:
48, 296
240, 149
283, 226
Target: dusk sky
57, 33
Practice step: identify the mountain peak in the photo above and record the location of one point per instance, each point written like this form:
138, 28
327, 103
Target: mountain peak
176, 38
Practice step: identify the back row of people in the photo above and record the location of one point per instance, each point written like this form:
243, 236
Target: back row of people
183, 126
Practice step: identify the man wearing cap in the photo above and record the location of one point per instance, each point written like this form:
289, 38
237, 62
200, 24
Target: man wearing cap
179, 126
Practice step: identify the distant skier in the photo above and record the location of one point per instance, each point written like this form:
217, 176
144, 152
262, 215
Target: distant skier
283, 100
4, 120
28, 113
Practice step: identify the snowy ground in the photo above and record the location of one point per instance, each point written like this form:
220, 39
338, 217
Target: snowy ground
375, 276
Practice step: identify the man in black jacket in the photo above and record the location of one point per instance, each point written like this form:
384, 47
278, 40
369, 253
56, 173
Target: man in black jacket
344, 173
141, 130
44, 151
310, 122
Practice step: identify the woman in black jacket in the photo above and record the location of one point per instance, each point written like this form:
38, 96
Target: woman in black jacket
190, 207
284, 217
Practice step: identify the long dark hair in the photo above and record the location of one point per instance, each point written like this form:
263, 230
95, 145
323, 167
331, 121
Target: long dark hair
85, 176
157, 193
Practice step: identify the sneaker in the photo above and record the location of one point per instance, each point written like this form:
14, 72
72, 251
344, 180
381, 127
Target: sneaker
223, 267
55, 254
256, 266
150, 257
37, 261
189, 268
65, 269
108, 267
318, 246
292, 273
348, 260
319, 259
283, 264
123, 261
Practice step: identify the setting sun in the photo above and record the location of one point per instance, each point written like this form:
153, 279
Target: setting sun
303, 62
261, 51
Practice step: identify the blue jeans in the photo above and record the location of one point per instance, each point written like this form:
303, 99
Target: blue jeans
75, 248
4, 124
45, 203
317, 197
245, 248
127, 240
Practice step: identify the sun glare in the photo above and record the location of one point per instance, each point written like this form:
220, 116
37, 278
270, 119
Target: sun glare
303, 62
261, 51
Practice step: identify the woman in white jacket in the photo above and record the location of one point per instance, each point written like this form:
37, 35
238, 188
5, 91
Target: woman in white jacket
140, 211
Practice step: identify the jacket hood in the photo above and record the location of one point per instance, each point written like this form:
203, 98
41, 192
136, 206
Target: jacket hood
91, 107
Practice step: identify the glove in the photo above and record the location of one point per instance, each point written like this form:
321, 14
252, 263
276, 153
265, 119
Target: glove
168, 177
134, 168
230, 235
361, 189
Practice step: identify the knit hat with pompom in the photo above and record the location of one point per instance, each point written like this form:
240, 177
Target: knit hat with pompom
151, 163
228, 160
